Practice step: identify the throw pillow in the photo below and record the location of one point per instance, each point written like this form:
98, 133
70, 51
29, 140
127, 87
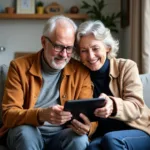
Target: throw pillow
3, 75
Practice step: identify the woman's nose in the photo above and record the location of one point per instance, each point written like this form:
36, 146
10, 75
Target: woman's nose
90, 54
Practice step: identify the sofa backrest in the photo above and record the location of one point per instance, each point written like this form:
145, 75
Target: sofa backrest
3, 75
145, 78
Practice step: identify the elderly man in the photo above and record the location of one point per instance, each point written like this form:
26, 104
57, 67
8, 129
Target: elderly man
38, 86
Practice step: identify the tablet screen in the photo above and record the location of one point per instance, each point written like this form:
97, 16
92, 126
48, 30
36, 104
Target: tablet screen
85, 106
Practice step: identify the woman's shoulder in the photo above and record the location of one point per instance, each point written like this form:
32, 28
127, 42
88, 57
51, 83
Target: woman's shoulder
124, 62
121, 65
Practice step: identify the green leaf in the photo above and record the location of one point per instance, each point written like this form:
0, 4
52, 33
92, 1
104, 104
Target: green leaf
95, 12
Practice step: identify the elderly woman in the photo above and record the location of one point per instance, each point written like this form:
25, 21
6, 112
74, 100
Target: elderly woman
124, 122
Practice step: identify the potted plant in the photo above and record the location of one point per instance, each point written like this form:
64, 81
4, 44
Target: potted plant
10, 10
40, 7
95, 12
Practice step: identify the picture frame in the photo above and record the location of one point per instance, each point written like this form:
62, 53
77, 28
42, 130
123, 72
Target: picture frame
54, 8
25, 6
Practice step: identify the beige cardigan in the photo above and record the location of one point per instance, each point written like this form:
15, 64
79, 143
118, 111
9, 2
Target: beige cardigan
126, 87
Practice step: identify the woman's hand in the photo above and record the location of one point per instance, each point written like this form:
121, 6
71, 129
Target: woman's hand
107, 110
79, 127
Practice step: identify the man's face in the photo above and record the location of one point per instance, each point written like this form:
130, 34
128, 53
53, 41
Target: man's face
55, 52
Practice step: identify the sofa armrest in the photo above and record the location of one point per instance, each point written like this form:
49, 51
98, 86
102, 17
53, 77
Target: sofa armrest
3, 76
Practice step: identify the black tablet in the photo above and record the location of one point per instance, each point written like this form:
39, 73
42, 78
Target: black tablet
85, 106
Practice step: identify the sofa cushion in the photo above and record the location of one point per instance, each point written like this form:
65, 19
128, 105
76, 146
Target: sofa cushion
145, 78
3, 74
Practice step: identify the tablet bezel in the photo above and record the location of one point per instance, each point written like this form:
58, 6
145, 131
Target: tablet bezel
85, 106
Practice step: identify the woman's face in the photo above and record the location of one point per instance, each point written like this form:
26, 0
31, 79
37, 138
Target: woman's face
93, 52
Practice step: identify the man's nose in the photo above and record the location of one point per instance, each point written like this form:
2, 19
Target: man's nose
63, 53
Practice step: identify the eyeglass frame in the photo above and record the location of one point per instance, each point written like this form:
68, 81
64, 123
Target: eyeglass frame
61, 47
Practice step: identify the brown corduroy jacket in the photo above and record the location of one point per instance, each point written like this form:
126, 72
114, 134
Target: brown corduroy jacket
23, 87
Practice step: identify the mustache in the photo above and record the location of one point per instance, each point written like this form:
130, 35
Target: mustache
60, 57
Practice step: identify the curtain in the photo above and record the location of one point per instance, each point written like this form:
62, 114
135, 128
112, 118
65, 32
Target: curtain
146, 36
136, 44
140, 34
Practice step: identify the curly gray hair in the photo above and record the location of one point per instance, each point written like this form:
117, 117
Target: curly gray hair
101, 33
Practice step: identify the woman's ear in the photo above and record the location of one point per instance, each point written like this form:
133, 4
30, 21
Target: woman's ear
108, 49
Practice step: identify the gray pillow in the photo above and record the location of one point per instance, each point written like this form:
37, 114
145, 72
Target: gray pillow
3, 75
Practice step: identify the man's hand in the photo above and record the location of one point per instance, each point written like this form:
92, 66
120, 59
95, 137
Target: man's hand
54, 115
79, 127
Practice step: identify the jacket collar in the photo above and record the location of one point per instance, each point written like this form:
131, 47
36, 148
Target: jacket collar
36, 65
114, 65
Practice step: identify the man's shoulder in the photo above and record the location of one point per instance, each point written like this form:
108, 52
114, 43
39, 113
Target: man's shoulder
75, 61
25, 58
25, 61
75, 66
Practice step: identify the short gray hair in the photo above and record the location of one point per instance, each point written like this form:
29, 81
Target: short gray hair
51, 24
101, 33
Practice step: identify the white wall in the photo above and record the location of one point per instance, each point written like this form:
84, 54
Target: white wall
24, 35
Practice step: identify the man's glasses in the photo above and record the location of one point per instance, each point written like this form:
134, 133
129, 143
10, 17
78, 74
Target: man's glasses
60, 48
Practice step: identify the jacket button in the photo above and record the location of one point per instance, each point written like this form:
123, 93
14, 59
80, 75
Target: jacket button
64, 96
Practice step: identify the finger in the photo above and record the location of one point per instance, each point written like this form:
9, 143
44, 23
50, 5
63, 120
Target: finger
80, 126
85, 119
59, 110
78, 130
60, 119
74, 128
103, 113
59, 114
103, 95
65, 113
100, 110
106, 108
55, 118
82, 131
58, 122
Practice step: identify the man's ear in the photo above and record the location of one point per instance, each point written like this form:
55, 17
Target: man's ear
43, 42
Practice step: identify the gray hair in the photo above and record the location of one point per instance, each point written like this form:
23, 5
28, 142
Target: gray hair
101, 33
51, 24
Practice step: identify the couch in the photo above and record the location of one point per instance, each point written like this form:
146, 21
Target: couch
145, 78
